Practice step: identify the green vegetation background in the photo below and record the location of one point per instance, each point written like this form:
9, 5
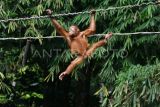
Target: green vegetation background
124, 73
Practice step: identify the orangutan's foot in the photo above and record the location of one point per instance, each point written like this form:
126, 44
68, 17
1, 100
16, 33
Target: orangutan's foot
107, 36
62, 75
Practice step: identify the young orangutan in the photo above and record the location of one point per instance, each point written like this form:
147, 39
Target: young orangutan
77, 41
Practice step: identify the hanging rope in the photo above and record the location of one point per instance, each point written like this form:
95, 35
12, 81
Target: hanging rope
84, 12
76, 13
96, 35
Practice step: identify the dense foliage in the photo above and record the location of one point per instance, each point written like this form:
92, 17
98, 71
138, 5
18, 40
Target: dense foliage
124, 73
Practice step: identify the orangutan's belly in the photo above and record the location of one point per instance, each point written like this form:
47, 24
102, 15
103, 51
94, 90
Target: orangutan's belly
79, 46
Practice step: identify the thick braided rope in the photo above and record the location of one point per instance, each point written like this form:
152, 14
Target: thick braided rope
84, 12
96, 35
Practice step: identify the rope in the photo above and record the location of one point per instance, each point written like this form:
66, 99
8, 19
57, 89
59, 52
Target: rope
84, 12
96, 35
